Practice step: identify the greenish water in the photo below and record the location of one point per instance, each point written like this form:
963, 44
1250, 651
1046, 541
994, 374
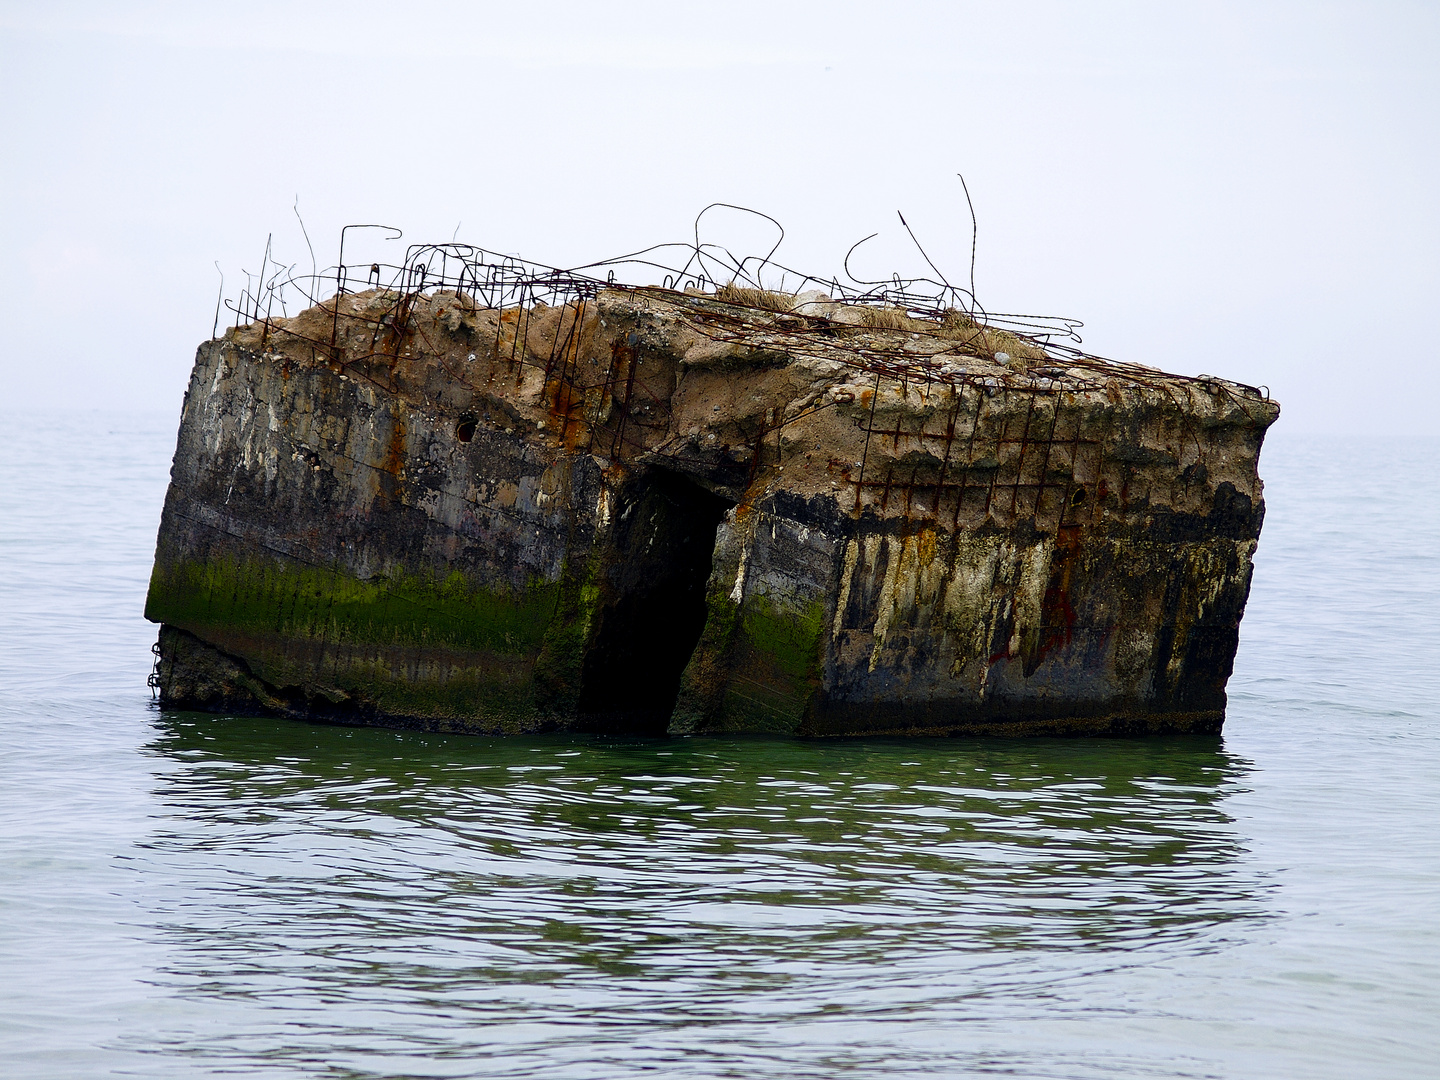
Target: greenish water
191, 895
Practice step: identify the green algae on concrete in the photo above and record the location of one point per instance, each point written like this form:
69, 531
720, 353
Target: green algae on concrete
404, 646
330, 604
777, 666
758, 667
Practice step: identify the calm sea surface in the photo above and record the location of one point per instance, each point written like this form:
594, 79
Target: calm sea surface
192, 895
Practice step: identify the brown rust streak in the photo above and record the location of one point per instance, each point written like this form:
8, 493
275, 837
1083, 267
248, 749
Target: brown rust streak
392, 462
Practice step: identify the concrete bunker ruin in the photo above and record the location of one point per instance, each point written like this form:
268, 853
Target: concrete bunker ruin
654, 510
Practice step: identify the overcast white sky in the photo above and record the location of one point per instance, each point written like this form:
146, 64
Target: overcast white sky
1248, 190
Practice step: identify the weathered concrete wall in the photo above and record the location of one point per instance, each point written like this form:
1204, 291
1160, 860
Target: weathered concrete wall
410, 510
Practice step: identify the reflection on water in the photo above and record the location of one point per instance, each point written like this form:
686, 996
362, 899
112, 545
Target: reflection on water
422, 904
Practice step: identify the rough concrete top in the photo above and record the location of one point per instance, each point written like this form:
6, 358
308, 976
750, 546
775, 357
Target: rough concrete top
746, 386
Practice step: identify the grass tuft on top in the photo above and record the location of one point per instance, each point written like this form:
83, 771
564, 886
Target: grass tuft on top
764, 299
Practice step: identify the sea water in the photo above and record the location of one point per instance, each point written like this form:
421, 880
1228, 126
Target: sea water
194, 895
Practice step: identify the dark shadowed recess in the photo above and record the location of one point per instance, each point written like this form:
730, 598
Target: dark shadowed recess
653, 604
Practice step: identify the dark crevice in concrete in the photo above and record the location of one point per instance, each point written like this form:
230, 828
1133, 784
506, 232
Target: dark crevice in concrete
652, 604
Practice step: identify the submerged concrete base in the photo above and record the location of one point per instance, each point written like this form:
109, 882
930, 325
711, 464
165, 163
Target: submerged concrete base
202, 677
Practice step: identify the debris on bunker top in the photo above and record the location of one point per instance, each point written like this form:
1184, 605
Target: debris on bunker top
740, 387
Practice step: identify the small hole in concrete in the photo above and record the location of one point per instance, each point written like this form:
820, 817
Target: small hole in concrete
1078, 497
465, 429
